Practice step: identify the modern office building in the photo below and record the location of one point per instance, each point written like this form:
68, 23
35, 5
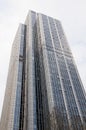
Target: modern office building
44, 90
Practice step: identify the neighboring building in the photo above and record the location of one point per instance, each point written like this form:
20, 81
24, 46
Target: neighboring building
44, 90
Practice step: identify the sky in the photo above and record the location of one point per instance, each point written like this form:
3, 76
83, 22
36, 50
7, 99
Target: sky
72, 14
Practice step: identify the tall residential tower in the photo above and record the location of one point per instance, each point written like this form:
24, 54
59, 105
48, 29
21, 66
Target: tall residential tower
44, 90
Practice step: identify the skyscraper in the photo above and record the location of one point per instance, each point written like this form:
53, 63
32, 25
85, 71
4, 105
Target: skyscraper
44, 90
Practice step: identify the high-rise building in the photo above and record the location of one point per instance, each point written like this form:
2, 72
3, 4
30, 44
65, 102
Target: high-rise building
44, 90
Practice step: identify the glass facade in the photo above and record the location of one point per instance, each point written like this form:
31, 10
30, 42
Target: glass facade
18, 98
44, 90
19, 102
34, 89
60, 55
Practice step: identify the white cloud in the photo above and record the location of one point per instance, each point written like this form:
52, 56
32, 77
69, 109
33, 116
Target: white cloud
72, 14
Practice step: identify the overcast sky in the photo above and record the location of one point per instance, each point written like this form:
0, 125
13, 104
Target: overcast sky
72, 14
